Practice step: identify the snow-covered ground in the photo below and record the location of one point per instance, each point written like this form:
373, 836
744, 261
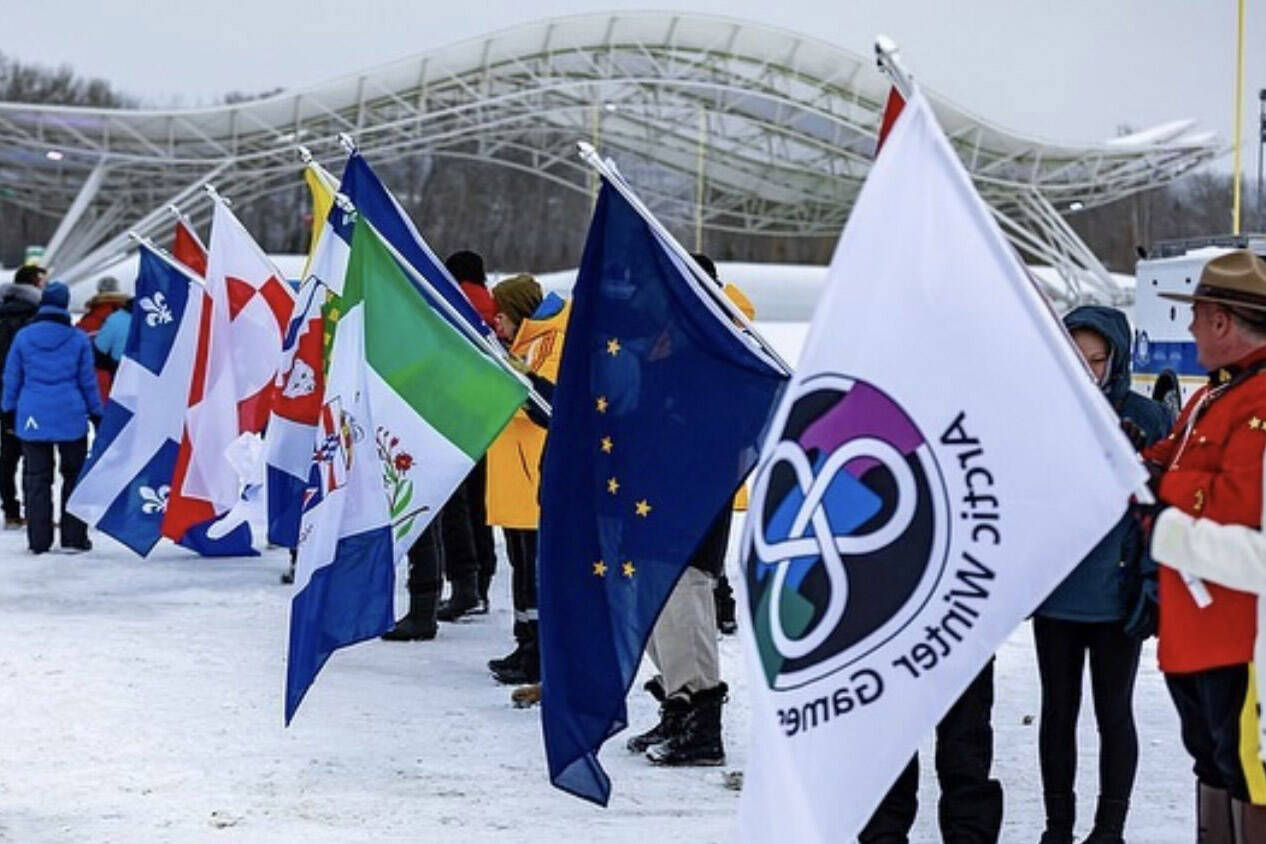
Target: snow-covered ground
141, 700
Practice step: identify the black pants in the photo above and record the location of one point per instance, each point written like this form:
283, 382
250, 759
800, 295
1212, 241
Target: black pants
1210, 705
521, 549
1114, 661
37, 492
426, 563
477, 507
10, 454
461, 551
709, 557
970, 810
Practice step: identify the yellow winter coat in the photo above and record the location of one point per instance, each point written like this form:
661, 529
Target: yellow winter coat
745, 305
514, 458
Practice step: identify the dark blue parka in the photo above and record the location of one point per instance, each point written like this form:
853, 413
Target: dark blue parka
49, 381
1096, 589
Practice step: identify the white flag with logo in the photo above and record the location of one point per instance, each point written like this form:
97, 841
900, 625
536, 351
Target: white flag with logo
940, 461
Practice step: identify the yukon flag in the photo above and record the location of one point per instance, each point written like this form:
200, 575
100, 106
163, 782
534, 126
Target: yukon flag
409, 406
939, 463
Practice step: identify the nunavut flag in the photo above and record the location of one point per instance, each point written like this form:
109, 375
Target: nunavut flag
938, 464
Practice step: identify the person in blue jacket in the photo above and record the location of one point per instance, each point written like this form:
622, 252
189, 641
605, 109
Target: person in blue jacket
50, 394
1086, 614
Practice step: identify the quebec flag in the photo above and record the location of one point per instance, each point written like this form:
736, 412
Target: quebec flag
125, 483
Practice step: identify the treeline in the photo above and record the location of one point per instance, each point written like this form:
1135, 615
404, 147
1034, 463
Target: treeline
521, 222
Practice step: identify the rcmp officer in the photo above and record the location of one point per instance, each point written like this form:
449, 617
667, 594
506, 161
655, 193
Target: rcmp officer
1210, 467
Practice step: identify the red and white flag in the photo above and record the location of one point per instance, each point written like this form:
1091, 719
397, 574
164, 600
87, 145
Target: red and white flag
239, 347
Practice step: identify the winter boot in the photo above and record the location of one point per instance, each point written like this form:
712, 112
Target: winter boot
699, 741
1060, 813
672, 717
525, 697
465, 599
1109, 825
1248, 822
419, 623
512, 658
1213, 815
527, 668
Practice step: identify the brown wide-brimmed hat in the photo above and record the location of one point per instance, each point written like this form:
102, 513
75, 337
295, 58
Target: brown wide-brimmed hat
1236, 279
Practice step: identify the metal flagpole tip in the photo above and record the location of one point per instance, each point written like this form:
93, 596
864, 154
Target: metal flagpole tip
305, 154
346, 141
884, 46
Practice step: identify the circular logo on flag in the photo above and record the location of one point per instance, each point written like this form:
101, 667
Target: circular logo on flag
849, 532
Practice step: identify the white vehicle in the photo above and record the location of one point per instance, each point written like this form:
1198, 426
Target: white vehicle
1164, 354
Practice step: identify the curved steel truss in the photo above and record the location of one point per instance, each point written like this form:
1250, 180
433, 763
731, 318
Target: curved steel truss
720, 124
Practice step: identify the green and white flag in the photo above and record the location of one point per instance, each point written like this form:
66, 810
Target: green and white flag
437, 401
410, 405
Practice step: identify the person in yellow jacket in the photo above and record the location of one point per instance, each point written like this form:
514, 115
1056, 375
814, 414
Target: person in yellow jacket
532, 325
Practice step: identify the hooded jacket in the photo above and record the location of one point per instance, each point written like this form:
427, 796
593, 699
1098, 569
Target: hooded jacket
18, 304
1096, 591
514, 458
48, 375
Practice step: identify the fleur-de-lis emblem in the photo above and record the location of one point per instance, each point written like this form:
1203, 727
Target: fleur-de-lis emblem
157, 312
155, 500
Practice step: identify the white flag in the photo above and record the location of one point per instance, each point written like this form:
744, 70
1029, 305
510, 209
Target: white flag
940, 461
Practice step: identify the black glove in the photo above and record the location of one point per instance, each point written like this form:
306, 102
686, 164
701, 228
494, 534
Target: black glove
9, 421
1136, 435
95, 419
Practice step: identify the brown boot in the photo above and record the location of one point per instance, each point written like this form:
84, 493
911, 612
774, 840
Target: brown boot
1213, 815
1248, 822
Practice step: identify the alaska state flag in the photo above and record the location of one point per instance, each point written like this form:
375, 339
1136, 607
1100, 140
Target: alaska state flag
657, 419
124, 487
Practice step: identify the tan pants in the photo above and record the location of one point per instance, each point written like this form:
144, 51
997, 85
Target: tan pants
683, 643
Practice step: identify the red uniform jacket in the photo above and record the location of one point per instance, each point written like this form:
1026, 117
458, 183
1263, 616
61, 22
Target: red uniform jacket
1215, 471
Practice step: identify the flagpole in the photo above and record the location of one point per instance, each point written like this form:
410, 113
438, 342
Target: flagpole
166, 258
493, 350
591, 157
886, 56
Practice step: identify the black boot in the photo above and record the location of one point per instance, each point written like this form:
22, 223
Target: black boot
512, 658
1109, 825
1213, 815
699, 742
527, 668
463, 602
672, 717
418, 623
1060, 812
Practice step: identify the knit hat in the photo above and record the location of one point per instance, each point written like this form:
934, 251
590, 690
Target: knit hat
107, 284
56, 295
518, 297
467, 266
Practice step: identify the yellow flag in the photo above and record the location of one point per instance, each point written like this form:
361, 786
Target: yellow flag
322, 199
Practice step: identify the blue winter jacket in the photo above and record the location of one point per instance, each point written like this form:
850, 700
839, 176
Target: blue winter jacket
112, 336
1096, 589
48, 375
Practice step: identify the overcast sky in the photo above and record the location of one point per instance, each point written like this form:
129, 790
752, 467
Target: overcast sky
1071, 71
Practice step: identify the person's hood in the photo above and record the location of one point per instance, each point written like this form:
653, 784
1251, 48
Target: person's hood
22, 292
1112, 326
109, 299
550, 315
